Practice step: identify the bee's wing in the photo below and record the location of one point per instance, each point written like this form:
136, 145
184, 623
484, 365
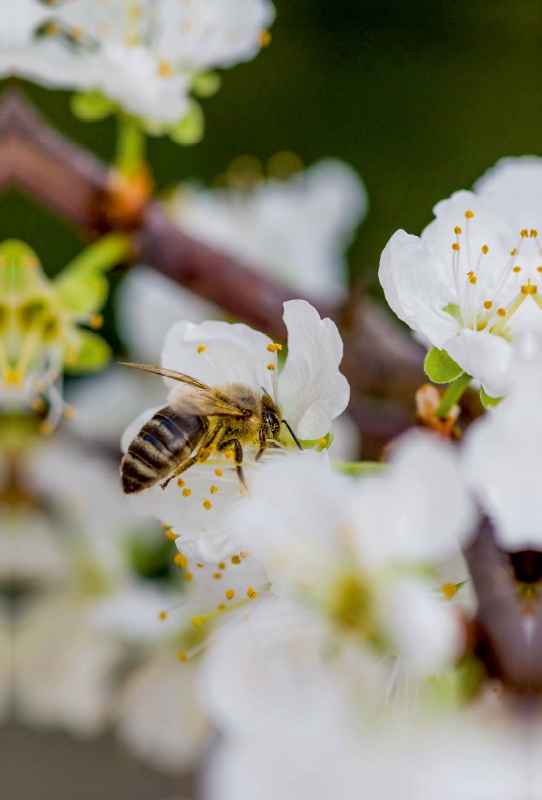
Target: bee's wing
198, 398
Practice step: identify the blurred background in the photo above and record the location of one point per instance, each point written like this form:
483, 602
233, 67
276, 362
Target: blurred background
419, 97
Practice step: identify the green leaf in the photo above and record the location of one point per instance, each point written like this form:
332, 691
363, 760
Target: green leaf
90, 106
190, 129
440, 367
206, 84
93, 355
487, 401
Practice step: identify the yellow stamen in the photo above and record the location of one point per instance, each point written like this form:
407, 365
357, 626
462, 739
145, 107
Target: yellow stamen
251, 593
180, 482
456, 246
524, 233
217, 575
213, 489
165, 70
235, 560
229, 454
516, 269
449, 590
69, 412
202, 348
457, 230
181, 560
265, 38
230, 594
274, 347
200, 566
172, 536
501, 312
488, 304
485, 249
321, 442
469, 215
533, 233
207, 504
162, 615
513, 252
221, 565
188, 576
528, 289
243, 554
181, 656
52, 29
271, 367
432, 678
219, 473
187, 492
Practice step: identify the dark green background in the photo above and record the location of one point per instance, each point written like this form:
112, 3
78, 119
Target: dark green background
420, 97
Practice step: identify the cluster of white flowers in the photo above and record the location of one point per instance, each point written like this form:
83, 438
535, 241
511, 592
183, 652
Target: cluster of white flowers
143, 55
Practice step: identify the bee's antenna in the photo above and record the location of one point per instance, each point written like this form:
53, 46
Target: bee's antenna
294, 437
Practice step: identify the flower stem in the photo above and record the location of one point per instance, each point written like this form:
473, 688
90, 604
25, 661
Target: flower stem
102, 255
357, 467
131, 146
452, 394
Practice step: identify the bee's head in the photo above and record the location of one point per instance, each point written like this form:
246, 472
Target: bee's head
271, 416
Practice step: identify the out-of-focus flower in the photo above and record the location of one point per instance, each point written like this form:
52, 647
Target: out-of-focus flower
296, 229
310, 389
464, 284
502, 454
143, 55
40, 333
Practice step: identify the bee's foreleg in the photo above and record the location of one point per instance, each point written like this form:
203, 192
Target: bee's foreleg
235, 445
263, 445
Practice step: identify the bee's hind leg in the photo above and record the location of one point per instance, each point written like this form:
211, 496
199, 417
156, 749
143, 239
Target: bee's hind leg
235, 445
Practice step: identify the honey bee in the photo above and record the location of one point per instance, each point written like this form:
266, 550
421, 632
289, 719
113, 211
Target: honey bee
199, 420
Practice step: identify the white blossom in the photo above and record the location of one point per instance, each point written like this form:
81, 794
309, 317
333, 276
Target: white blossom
468, 283
142, 55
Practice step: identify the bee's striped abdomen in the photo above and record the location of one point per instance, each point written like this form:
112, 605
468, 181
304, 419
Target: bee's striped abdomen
164, 442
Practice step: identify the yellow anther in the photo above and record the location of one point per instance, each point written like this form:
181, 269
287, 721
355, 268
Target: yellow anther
513, 252
38, 404
529, 289
469, 215
229, 454
217, 575
199, 566
456, 246
181, 656
201, 348
243, 554
219, 473
180, 482
165, 526
539, 269
221, 565
197, 622
207, 504
170, 535
235, 560
69, 412
46, 429
321, 442
230, 594
271, 367
220, 607
432, 678
187, 492
473, 279
77, 33
501, 312
533, 233
485, 249
165, 70
265, 38
96, 321
162, 615
188, 576
181, 560
52, 29
524, 233
516, 269
274, 347
251, 593
488, 304
449, 590
457, 230
213, 489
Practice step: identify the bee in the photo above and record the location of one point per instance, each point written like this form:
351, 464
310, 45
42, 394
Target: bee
199, 420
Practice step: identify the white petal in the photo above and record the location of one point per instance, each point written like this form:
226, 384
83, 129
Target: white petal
485, 356
417, 287
232, 353
312, 390
148, 304
426, 629
514, 188
418, 511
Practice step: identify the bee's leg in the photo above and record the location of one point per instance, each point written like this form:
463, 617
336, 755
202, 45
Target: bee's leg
263, 444
235, 444
197, 457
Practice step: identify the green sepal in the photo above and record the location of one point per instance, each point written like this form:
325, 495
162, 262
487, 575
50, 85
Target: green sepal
190, 129
487, 401
94, 354
84, 293
206, 84
440, 368
91, 106
358, 468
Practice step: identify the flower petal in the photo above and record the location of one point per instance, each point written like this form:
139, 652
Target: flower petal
484, 356
312, 390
